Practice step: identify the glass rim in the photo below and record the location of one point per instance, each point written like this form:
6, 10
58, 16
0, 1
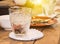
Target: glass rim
18, 7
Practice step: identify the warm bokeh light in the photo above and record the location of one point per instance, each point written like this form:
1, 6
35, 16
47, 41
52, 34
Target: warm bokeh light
36, 2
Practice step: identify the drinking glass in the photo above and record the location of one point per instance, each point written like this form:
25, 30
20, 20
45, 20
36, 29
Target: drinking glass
20, 18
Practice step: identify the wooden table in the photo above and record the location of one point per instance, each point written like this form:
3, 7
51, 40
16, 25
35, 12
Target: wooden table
51, 36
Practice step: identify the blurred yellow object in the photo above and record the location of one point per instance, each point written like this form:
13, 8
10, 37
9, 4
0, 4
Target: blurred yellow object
29, 4
46, 1
39, 7
37, 10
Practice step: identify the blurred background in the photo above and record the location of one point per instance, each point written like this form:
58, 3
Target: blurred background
5, 4
39, 7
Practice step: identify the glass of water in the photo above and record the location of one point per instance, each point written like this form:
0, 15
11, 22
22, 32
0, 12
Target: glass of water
20, 18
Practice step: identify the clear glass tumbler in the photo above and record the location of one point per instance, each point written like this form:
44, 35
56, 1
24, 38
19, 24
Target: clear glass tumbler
20, 18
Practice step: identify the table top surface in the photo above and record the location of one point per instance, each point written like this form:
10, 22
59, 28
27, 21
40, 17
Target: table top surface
51, 36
